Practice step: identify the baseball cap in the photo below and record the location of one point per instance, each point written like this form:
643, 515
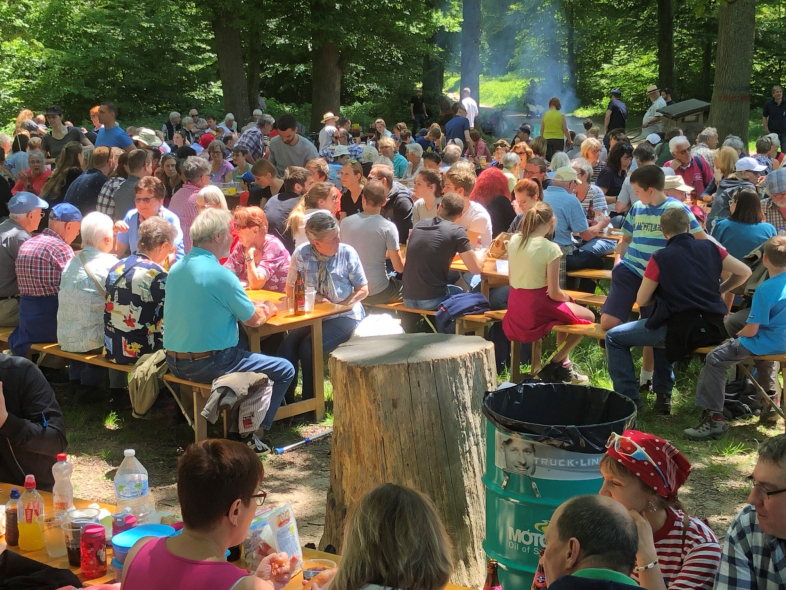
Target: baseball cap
524, 128
65, 212
653, 138
248, 177
53, 110
566, 174
25, 202
615, 92
340, 150
776, 181
749, 163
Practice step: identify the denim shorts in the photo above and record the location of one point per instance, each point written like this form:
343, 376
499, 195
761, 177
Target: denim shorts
624, 288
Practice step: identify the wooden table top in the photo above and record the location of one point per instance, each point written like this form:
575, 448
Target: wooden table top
284, 317
489, 268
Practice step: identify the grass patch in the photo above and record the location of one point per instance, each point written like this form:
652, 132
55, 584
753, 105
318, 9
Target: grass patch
112, 421
499, 91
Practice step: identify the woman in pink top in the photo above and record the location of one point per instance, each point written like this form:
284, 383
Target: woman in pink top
218, 489
258, 258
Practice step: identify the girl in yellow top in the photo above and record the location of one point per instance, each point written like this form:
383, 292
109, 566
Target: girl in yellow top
554, 128
536, 303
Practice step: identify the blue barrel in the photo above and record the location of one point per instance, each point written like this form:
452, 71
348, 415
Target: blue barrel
544, 443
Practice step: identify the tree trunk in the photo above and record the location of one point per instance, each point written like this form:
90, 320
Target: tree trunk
229, 50
326, 73
254, 59
408, 410
666, 44
571, 45
706, 70
730, 106
470, 48
434, 69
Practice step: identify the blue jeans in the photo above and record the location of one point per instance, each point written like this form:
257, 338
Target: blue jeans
619, 341
432, 304
235, 360
296, 347
87, 375
599, 246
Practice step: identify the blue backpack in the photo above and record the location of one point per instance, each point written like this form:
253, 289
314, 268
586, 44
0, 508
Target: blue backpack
456, 306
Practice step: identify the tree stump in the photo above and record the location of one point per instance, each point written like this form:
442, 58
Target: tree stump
407, 410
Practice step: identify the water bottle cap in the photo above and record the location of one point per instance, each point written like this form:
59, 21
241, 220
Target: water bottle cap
129, 453
15, 494
30, 482
62, 457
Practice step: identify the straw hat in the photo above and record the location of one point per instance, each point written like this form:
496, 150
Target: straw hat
327, 117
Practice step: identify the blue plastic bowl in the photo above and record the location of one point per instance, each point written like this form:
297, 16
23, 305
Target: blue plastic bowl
122, 542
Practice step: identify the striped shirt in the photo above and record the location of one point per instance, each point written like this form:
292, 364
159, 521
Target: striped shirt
643, 223
691, 566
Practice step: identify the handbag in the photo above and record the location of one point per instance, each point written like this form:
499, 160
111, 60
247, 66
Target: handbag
499, 247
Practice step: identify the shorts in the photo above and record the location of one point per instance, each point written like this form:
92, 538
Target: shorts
624, 288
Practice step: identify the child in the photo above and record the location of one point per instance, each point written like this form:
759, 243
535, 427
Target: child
764, 333
319, 198
427, 193
641, 237
536, 303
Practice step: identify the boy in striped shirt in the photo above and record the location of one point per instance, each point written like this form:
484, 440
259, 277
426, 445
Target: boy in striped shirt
641, 237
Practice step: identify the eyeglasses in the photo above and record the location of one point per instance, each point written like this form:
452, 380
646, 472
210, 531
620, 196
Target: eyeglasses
143, 201
625, 446
260, 497
764, 492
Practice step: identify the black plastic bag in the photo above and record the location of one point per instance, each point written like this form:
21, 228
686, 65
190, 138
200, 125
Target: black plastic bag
570, 417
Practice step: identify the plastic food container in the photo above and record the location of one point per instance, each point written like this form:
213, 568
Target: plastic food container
122, 542
117, 568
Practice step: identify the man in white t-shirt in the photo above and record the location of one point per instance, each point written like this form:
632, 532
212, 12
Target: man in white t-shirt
474, 218
375, 239
469, 105
651, 120
327, 132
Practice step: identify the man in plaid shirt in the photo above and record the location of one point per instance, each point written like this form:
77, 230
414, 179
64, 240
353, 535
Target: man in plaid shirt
39, 266
754, 552
774, 208
254, 139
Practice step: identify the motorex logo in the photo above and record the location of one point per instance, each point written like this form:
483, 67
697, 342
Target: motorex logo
528, 541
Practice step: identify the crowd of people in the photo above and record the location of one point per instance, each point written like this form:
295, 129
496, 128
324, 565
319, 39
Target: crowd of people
380, 217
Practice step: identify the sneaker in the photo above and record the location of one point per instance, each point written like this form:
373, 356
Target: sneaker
547, 373
663, 404
570, 375
708, 428
646, 387
255, 444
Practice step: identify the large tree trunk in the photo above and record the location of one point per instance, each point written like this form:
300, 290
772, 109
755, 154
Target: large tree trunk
571, 45
230, 67
730, 106
326, 73
666, 44
706, 70
408, 411
470, 48
254, 59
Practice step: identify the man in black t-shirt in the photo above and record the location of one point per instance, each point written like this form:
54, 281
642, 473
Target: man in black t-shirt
297, 181
666, 95
417, 108
432, 246
774, 115
616, 115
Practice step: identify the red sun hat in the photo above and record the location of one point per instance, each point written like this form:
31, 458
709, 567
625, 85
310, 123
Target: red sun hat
665, 474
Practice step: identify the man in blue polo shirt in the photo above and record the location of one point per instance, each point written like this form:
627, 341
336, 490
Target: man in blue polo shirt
149, 195
111, 135
204, 302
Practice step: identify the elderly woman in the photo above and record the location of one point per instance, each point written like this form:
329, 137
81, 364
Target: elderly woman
189, 128
334, 271
60, 135
644, 473
590, 151
34, 178
81, 302
220, 169
511, 167
135, 290
229, 125
259, 258
368, 156
554, 128
218, 489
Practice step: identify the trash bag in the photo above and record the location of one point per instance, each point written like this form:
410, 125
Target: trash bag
570, 417
741, 400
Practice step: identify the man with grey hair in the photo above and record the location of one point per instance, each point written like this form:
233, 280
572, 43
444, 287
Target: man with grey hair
203, 305
753, 551
26, 210
196, 172
198, 123
414, 154
706, 142
694, 170
256, 138
450, 156
171, 126
735, 142
510, 168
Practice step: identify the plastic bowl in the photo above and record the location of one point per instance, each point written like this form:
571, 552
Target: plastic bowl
117, 567
122, 542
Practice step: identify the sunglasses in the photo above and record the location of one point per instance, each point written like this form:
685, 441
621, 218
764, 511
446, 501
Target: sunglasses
144, 201
629, 448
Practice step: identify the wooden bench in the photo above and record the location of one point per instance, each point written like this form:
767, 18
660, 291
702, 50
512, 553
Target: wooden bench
474, 324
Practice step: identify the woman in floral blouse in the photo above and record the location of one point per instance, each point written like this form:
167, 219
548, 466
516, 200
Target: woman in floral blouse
259, 258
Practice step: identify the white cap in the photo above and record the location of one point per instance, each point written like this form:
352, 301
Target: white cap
749, 164
129, 453
653, 138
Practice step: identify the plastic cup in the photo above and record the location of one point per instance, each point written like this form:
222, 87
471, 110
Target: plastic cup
310, 297
88, 515
72, 534
51, 525
312, 567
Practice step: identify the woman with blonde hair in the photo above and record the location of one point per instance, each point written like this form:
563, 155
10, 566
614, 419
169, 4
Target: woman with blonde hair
353, 181
68, 168
381, 130
393, 538
590, 151
23, 117
320, 199
539, 146
728, 182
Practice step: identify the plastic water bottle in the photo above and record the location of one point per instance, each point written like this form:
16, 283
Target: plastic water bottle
782, 231
131, 488
29, 507
63, 491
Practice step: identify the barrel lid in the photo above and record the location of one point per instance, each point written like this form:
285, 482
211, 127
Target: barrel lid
126, 539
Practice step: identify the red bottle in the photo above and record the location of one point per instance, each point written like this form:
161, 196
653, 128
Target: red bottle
492, 578
93, 550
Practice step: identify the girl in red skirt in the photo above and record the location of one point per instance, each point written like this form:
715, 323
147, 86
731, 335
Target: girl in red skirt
536, 303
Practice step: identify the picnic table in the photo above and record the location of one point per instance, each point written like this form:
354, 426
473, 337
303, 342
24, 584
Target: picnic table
285, 320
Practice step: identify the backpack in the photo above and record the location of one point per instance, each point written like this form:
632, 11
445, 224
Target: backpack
457, 306
741, 400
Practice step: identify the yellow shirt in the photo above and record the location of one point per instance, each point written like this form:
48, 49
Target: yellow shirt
528, 264
552, 125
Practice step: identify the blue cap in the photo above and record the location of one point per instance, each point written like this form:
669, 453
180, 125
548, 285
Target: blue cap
65, 212
616, 92
25, 202
248, 177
